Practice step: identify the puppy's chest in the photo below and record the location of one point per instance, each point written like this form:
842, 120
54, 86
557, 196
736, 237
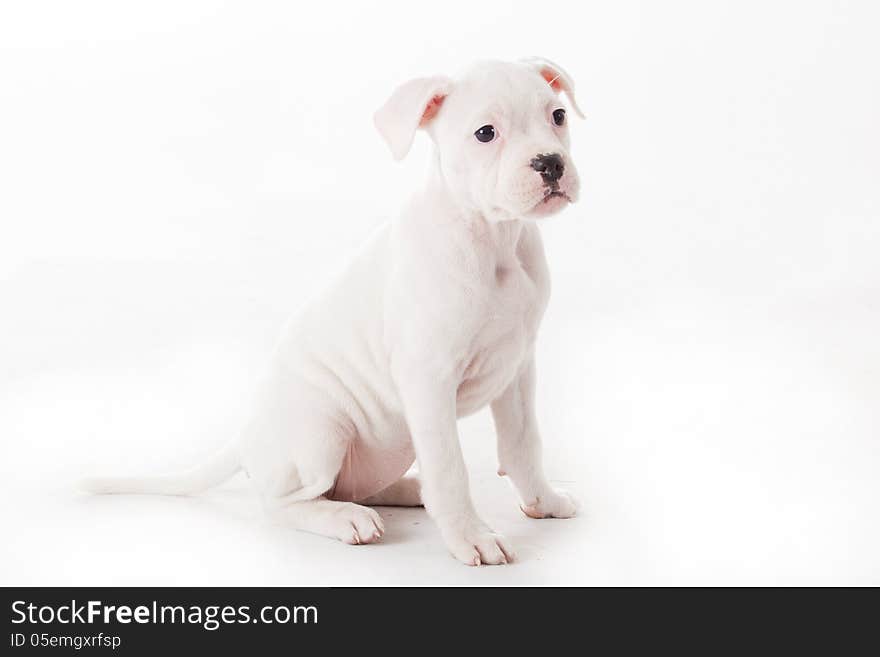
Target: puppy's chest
504, 333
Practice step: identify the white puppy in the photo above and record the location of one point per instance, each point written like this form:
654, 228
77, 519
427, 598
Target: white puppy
433, 320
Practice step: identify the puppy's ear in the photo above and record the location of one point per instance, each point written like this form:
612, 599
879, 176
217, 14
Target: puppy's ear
557, 78
411, 106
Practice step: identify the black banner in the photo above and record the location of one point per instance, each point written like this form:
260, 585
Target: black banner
147, 621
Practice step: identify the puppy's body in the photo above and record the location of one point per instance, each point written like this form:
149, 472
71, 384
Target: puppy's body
434, 319
478, 330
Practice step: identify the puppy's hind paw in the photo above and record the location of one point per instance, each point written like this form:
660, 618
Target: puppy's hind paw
357, 525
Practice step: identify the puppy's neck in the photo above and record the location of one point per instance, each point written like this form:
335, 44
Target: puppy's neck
499, 234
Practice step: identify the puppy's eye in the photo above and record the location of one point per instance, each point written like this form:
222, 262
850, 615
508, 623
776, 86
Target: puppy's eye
559, 116
485, 134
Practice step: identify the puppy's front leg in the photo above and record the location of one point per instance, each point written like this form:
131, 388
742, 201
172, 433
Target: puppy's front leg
431, 415
519, 450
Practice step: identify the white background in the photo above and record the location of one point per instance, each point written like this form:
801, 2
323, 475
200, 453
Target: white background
175, 178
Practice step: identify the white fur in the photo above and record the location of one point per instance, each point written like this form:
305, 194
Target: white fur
434, 319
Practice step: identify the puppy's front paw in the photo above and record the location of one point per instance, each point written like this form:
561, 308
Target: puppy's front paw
552, 503
476, 544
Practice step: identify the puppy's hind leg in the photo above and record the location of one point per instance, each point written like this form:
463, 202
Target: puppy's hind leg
297, 442
302, 483
406, 491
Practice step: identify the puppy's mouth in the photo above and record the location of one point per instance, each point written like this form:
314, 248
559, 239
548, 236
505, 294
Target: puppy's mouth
555, 194
551, 203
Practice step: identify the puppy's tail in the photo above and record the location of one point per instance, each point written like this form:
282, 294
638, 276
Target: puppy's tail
218, 469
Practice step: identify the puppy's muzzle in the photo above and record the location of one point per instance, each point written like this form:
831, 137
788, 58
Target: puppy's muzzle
550, 166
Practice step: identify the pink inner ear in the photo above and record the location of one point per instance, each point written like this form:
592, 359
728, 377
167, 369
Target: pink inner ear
552, 79
431, 109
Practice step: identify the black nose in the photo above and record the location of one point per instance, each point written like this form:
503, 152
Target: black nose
550, 167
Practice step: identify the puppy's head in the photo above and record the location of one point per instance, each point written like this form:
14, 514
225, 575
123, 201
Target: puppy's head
501, 135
